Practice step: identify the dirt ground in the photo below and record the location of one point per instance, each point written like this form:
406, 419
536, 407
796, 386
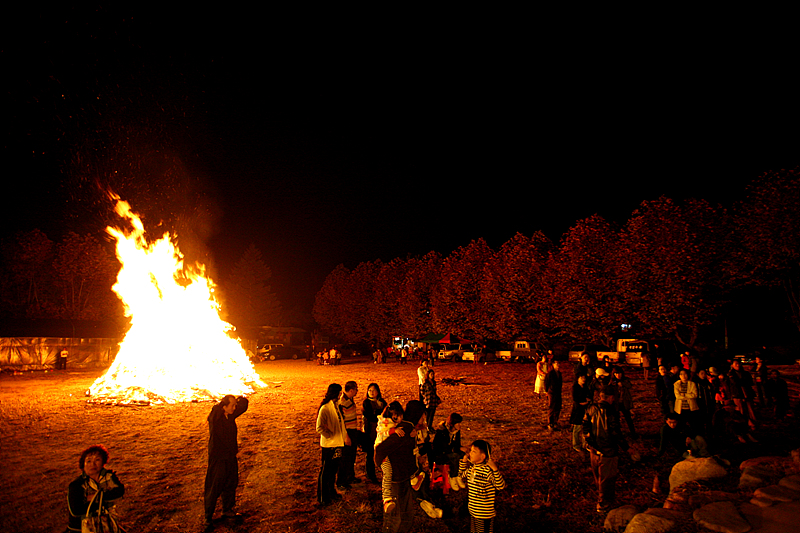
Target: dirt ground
159, 452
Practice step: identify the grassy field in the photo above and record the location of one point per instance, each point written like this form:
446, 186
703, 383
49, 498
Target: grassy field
159, 452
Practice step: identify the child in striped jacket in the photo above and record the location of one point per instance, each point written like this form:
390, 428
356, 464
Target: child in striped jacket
483, 481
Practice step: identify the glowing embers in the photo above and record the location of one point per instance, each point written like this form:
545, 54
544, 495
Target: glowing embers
177, 348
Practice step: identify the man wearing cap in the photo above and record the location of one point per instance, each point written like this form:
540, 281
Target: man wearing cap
600, 382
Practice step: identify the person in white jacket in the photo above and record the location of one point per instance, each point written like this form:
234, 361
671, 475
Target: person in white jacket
686, 406
333, 438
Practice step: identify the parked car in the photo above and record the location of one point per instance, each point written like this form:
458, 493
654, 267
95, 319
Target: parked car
451, 352
265, 348
469, 355
352, 350
595, 351
522, 352
284, 352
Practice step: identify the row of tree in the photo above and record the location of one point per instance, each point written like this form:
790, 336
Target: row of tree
669, 270
71, 279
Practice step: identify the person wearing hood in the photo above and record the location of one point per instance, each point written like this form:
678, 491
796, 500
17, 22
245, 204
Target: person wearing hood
399, 450
222, 475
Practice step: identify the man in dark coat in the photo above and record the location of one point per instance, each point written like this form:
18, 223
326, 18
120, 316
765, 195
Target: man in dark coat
222, 475
552, 386
604, 440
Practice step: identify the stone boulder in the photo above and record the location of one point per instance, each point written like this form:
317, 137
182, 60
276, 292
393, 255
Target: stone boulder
777, 493
704, 498
778, 518
617, 519
694, 469
649, 523
722, 517
792, 482
781, 466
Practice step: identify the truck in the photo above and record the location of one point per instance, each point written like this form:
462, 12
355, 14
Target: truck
522, 351
625, 351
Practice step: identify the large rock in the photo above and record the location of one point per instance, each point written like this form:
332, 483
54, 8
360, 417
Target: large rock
777, 493
780, 465
619, 518
649, 523
704, 498
670, 514
693, 469
792, 482
778, 518
722, 517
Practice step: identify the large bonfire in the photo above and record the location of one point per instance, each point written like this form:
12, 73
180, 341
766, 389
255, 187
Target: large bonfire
177, 348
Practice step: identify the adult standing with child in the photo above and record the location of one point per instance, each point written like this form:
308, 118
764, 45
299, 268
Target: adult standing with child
399, 448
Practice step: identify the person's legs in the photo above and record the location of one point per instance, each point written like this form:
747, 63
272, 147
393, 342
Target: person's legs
607, 480
577, 441
326, 489
229, 487
221, 480
401, 518
386, 482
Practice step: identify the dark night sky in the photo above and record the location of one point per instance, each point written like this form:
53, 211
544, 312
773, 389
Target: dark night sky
329, 144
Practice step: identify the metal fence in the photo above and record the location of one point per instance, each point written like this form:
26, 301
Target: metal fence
40, 353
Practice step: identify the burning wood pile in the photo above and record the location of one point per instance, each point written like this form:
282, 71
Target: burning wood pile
177, 348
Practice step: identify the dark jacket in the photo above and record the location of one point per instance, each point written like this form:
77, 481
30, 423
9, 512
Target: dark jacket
581, 397
601, 423
445, 443
82, 489
222, 432
553, 383
400, 452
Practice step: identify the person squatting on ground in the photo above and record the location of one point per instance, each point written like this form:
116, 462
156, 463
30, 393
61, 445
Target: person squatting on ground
604, 439
92, 495
447, 449
484, 480
552, 386
222, 475
399, 450
347, 406
673, 434
333, 438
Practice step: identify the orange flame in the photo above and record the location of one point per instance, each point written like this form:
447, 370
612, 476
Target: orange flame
177, 348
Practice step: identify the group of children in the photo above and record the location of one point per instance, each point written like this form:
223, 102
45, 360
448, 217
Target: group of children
476, 470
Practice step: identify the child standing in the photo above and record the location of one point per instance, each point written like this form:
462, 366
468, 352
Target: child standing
484, 480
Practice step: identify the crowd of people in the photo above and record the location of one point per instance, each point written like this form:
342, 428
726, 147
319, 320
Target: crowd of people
419, 463
704, 408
